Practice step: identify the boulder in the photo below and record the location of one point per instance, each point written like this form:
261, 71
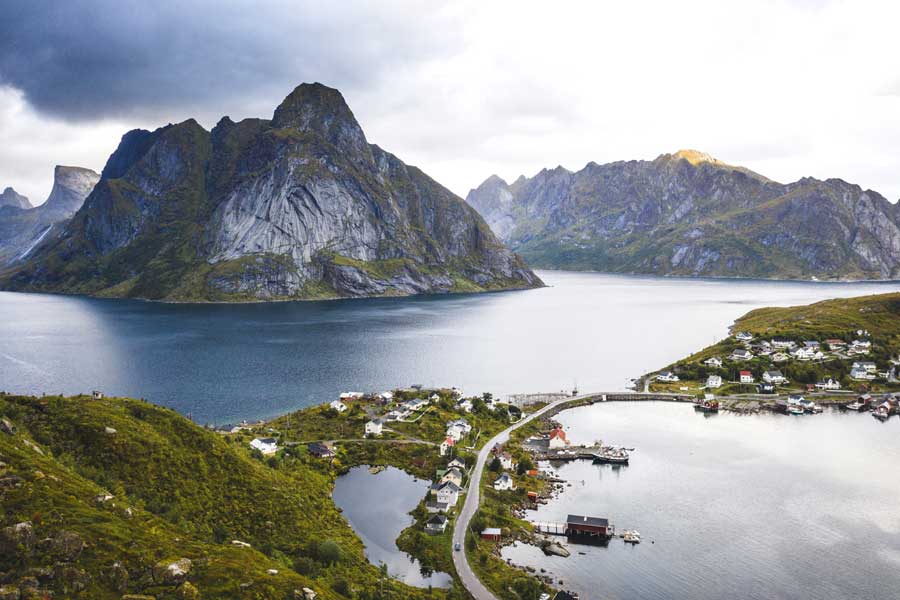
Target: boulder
67, 546
171, 573
17, 539
7, 427
110, 431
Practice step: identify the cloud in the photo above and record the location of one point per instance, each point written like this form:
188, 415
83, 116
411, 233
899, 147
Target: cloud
92, 59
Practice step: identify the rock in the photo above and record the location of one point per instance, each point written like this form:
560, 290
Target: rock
116, 576
109, 430
555, 549
33, 446
17, 539
171, 573
305, 594
9, 593
67, 546
7, 427
272, 571
187, 591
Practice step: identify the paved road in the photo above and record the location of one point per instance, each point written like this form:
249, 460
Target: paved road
470, 506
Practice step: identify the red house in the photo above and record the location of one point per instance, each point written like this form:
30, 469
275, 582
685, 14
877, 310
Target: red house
491, 533
590, 526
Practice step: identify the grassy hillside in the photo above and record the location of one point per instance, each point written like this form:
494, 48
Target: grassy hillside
838, 319
100, 497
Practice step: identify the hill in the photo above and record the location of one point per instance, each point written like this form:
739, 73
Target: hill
689, 214
102, 498
298, 206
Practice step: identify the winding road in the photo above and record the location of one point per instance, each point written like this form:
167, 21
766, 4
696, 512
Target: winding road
470, 506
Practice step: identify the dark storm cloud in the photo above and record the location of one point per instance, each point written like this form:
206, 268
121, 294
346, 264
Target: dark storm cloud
88, 60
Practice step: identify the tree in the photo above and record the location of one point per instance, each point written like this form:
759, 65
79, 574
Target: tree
342, 587
328, 552
525, 465
495, 465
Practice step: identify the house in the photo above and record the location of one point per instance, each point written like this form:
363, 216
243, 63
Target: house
386, 397
813, 344
774, 377
765, 388
713, 382
320, 450
861, 374
447, 493
666, 376
834, 344
436, 524
454, 475
741, 354
97, 395
454, 433
351, 395
714, 361
828, 384
506, 460
590, 526
461, 424
465, 406
504, 482
868, 366
265, 445
558, 439
446, 445
782, 344
746, 377
434, 398
743, 336
805, 353
374, 427
433, 506
491, 533
338, 406
456, 464
780, 357
859, 347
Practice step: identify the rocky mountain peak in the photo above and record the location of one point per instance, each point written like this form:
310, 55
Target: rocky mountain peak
316, 108
71, 185
695, 157
11, 197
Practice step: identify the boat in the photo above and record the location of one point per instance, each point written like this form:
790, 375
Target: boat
611, 456
632, 537
855, 406
707, 406
796, 410
881, 413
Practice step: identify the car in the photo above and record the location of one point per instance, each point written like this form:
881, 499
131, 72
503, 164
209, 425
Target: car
456, 547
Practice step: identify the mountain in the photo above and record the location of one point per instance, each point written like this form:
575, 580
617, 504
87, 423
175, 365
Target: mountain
22, 227
299, 206
690, 214
11, 197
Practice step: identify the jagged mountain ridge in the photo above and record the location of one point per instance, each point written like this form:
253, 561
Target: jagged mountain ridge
689, 214
22, 227
299, 206
14, 199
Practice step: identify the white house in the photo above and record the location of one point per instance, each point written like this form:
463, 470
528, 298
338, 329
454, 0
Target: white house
805, 353
780, 357
456, 463
558, 439
713, 382
504, 482
446, 492
436, 524
741, 354
465, 405
374, 427
828, 384
506, 460
774, 377
861, 374
351, 395
338, 406
386, 396
454, 475
454, 433
743, 336
746, 377
667, 376
783, 344
868, 366
714, 361
434, 398
265, 445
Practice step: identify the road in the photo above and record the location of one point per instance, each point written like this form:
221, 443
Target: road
470, 506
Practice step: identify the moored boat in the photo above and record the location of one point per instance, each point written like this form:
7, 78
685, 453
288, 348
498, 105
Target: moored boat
611, 455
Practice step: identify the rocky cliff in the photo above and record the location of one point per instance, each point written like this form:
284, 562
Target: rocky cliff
23, 228
12, 198
299, 206
690, 214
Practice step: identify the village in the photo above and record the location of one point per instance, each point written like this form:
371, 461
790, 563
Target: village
789, 376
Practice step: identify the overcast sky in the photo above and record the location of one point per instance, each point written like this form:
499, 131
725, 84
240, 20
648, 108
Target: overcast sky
789, 89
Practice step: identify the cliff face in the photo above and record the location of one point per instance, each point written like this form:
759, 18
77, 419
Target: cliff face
300, 206
14, 199
689, 214
23, 228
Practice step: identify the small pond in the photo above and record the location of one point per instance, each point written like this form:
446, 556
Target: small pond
377, 507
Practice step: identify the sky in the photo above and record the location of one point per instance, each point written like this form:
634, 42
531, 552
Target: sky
469, 89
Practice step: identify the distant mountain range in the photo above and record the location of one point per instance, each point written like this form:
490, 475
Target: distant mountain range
690, 214
299, 206
23, 227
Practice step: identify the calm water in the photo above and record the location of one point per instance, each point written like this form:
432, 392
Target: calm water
751, 507
223, 363
377, 508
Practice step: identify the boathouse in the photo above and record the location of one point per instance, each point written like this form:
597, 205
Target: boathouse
590, 526
491, 533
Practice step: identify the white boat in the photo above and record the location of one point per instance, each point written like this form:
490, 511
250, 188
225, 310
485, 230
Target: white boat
632, 537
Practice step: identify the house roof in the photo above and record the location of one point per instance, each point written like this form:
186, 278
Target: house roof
558, 433
504, 477
437, 520
268, 440
449, 485
491, 531
319, 449
582, 520
770, 373
746, 373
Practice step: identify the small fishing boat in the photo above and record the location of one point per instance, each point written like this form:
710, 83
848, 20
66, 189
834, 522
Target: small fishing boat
611, 456
632, 537
796, 410
707, 405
